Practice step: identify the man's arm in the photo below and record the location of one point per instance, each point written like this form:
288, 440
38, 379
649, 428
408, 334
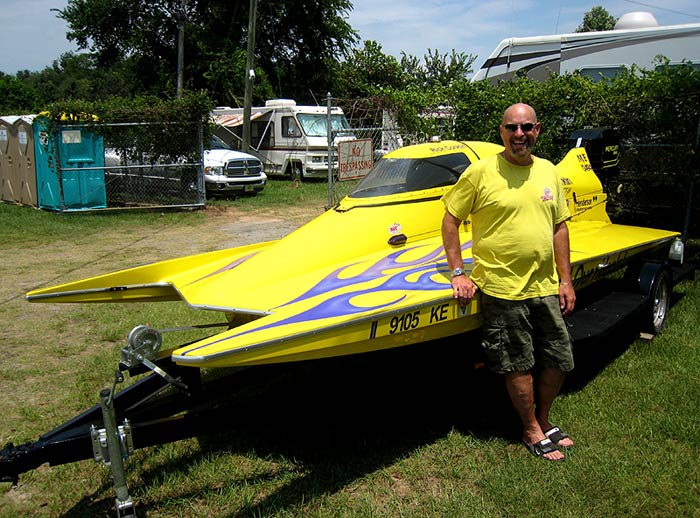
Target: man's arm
567, 296
462, 286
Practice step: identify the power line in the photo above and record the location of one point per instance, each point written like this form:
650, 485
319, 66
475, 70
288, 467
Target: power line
662, 9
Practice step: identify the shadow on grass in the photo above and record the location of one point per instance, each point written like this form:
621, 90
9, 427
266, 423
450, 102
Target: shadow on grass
342, 418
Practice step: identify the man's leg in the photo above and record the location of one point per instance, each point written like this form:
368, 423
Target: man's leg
522, 393
549, 382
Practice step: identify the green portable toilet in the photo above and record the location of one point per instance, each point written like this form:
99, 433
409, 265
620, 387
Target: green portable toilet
69, 166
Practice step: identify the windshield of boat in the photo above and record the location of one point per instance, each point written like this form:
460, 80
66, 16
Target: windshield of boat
397, 175
315, 124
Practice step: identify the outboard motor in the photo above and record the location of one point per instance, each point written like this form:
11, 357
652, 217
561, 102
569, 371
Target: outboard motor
602, 146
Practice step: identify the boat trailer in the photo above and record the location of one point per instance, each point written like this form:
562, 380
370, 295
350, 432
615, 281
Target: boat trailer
173, 403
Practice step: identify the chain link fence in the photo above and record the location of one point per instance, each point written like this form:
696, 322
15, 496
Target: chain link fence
153, 175
125, 165
656, 187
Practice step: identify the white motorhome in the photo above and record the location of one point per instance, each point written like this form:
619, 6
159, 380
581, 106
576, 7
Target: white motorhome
289, 139
636, 40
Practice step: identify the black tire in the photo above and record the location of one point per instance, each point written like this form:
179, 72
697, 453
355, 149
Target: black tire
295, 171
660, 302
652, 279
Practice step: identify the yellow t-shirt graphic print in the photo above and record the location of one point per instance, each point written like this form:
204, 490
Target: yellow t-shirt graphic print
513, 210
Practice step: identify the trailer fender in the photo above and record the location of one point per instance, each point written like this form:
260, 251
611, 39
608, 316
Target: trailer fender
654, 280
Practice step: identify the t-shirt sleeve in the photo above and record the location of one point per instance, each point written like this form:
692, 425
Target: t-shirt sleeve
459, 200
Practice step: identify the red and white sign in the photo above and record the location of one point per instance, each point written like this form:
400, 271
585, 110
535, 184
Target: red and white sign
354, 158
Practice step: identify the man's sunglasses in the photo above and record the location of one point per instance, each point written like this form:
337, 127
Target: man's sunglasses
527, 126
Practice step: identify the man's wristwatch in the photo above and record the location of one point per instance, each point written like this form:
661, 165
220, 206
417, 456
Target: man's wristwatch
457, 272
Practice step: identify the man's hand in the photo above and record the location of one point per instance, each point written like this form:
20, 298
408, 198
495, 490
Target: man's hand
463, 289
567, 298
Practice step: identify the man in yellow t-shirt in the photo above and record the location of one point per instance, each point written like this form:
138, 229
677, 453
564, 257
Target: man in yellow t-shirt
520, 247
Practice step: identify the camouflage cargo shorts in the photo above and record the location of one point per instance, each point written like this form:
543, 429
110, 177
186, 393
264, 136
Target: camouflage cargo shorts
519, 334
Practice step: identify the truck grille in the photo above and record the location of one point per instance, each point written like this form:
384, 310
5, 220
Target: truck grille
243, 167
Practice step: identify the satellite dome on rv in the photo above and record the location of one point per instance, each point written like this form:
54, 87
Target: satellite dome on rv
637, 39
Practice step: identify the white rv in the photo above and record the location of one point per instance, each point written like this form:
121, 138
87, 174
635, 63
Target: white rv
636, 40
289, 139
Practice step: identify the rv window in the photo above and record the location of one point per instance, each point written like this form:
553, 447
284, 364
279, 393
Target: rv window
694, 64
260, 138
600, 73
315, 125
290, 128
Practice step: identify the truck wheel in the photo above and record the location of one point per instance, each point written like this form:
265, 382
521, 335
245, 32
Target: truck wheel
295, 171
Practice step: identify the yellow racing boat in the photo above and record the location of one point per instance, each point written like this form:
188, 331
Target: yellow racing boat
367, 275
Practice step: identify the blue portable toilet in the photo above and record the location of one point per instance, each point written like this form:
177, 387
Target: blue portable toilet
69, 167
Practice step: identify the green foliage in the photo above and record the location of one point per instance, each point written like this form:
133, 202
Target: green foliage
226, 77
661, 105
437, 69
295, 39
367, 71
16, 97
597, 19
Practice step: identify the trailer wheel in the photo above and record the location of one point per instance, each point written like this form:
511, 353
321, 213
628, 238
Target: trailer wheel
654, 280
660, 295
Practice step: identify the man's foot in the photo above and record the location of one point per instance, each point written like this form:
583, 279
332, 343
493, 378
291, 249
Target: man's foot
559, 437
545, 449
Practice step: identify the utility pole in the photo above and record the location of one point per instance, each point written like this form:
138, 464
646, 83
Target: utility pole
249, 76
180, 47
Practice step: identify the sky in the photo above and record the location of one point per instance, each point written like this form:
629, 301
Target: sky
32, 37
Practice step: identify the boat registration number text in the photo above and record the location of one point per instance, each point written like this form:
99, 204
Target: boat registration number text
416, 319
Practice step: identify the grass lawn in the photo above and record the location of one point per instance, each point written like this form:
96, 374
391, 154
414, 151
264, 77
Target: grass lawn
413, 432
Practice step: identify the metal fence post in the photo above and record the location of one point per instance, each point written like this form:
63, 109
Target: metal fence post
330, 149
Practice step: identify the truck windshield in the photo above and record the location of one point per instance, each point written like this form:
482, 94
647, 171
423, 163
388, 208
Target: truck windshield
314, 125
217, 143
397, 175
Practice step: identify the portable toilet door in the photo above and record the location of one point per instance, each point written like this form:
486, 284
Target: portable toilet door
70, 167
24, 161
7, 169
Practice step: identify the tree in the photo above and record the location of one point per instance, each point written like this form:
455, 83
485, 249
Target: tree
436, 69
296, 39
366, 71
597, 19
16, 97
79, 76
